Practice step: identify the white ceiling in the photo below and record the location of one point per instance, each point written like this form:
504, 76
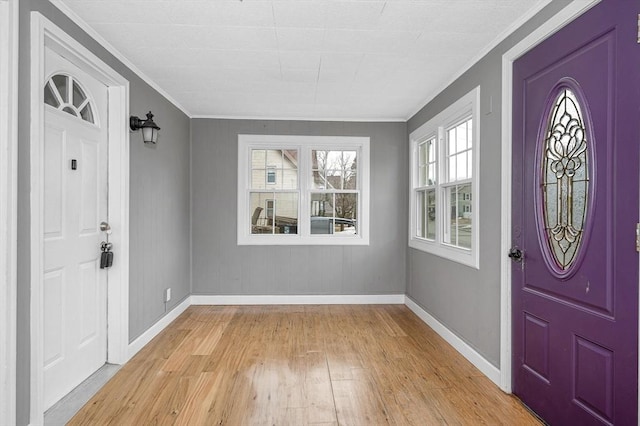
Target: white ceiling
307, 59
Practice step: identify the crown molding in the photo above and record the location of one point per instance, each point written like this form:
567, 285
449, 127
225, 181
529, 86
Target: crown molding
116, 53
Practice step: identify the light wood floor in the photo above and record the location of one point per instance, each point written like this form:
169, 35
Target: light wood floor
300, 365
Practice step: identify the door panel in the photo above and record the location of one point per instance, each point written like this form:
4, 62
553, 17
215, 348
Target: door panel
75, 202
53, 182
575, 325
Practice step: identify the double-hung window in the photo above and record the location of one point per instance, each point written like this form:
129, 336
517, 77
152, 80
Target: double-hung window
444, 183
303, 190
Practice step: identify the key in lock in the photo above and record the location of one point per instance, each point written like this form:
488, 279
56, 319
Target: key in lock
106, 258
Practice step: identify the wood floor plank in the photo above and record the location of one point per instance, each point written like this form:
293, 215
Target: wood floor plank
300, 365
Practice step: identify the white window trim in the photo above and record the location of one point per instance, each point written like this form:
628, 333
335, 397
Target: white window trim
304, 145
467, 105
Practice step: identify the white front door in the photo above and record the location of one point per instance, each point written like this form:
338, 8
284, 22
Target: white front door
75, 203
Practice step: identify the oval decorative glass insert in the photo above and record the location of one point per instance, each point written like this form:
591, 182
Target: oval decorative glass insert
565, 178
63, 92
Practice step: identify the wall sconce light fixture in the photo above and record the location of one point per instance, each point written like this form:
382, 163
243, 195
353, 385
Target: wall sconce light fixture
149, 128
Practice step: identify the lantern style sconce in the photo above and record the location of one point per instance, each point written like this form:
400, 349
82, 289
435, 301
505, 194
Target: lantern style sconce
149, 128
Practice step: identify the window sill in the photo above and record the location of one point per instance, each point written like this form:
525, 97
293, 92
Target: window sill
462, 256
297, 240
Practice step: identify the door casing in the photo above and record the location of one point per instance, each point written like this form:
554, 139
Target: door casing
45, 33
8, 206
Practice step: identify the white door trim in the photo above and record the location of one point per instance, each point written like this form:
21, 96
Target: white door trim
45, 33
562, 18
8, 206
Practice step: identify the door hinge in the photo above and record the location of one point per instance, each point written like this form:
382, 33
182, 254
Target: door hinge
638, 237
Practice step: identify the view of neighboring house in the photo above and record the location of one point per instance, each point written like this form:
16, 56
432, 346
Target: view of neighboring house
274, 191
274, 176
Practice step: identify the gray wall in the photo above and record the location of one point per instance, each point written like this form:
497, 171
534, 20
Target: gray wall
467, 300
160, 210
221, 267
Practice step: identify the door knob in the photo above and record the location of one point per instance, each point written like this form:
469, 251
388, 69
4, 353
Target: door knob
104, 227
515, 254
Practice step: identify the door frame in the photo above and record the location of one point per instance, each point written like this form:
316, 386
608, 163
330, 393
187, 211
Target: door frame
8, 206
45, 33
558, 21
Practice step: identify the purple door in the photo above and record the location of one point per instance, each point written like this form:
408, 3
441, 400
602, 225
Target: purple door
575, 208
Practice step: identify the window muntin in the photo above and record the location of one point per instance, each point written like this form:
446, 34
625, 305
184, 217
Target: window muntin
64, 93
315, 189
443, 183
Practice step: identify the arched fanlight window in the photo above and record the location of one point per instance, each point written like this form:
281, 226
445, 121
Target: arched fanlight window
65, 93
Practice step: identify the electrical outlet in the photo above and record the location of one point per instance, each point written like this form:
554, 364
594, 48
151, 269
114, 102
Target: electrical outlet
167, 294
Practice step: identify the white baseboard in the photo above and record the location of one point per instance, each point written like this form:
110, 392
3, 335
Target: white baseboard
369, 299
155, 329
460, 345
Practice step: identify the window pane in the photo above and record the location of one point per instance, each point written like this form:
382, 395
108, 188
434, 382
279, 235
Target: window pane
259, 222
49, 97
258, 159
421, 203
452, 169
426, 226
318, 180
347, 209
286, 213
70, 110
258, 179
461, 166
458, 226
322, 212
61, 82
451, 139
422, 154
334, 179
351, 181
274, 158
287, 179
431, 215
431, 162
87, 114
461, 137
432, 151
349, 160
422, 175
78, 95
334, 213
431, 179
319, 159
274, 213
